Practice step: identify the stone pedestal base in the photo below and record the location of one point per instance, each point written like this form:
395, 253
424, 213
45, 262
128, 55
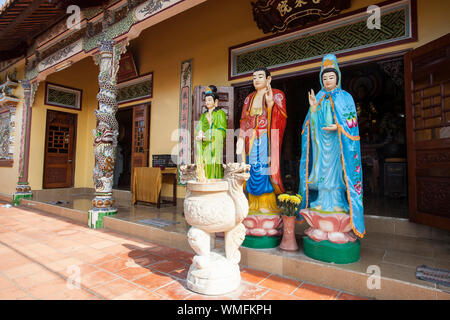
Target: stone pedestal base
327, 251
263, 231
218, 277
95, 217
261, 242
18, 196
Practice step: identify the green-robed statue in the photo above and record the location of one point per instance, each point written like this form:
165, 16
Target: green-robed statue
210, 135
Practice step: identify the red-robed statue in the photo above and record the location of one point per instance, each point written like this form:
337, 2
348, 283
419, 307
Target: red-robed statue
262, 127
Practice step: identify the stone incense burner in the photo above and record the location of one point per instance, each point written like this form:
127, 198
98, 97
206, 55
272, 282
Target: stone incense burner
212, 206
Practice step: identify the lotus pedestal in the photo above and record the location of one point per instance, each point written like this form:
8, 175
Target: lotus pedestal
330, 237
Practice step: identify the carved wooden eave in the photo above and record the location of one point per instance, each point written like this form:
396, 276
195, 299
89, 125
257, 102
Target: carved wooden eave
121, 21
7, 99
276, 16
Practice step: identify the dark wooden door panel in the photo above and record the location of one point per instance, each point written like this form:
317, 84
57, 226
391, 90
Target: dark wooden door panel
59, 149
427, 89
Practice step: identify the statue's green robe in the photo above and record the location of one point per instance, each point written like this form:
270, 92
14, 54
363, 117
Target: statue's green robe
210, 150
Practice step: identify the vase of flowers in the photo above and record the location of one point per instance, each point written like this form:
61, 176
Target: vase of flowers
289, 205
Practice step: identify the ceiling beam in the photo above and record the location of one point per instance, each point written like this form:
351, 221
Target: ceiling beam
21, 17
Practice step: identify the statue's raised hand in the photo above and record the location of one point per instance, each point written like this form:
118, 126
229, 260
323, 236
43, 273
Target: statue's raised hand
269, 96
200, 136
312, 100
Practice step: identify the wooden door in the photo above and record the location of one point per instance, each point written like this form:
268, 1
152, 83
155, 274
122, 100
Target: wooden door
427, 87
141, 133
226, 103
59, 149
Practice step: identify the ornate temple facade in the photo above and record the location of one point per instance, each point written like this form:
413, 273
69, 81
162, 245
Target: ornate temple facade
70, 85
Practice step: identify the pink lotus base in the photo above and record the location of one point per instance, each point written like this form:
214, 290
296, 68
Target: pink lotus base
334, 227
263, 225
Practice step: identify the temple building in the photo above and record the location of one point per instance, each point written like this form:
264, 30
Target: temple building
93, 91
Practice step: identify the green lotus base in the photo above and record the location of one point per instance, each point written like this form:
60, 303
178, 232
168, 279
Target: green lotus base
95, 217
19, 196
327, 251
261, 242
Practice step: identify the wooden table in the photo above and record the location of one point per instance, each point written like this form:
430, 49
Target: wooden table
171, 174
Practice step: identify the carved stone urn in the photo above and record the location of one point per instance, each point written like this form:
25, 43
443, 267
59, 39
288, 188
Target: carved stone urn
209, 207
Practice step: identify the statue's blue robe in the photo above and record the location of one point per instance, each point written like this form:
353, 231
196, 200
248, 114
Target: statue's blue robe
344, 115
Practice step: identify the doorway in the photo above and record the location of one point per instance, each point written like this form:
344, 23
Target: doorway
377, 88
122, 168
132, 143
59, 160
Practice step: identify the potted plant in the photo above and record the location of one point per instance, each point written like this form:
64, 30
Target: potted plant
289, 205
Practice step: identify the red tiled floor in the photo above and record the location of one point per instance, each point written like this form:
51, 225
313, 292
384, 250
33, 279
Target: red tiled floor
36, 279
275, 295
204, 297
281, 284
161, 250
253, 276
44, 290
180, 273
23, 270
346, 296
178, 255
145, 260
133, 273
311, 292
96, 260
68, 294
132, 254
114, 289
45, 251
250, 292
139, 294
98, 278
113, 265
176, 290
116, 250
5, 283
167, 266
12, 261
12, 293
154, 280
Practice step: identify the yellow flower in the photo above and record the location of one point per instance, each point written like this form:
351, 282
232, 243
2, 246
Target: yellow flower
283, 197
294, 199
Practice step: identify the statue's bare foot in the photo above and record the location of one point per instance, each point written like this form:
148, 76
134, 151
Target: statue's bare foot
338, 209
319, 207
263, 210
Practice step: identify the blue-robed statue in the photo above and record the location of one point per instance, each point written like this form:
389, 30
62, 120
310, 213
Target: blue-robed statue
330, 165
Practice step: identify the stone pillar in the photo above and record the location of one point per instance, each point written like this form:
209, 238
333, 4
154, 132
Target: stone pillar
105, 135
23, 189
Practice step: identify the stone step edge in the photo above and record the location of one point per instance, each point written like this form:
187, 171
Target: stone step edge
5, 197
69, 213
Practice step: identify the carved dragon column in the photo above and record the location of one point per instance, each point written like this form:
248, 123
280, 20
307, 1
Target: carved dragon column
23, 189
105, 135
